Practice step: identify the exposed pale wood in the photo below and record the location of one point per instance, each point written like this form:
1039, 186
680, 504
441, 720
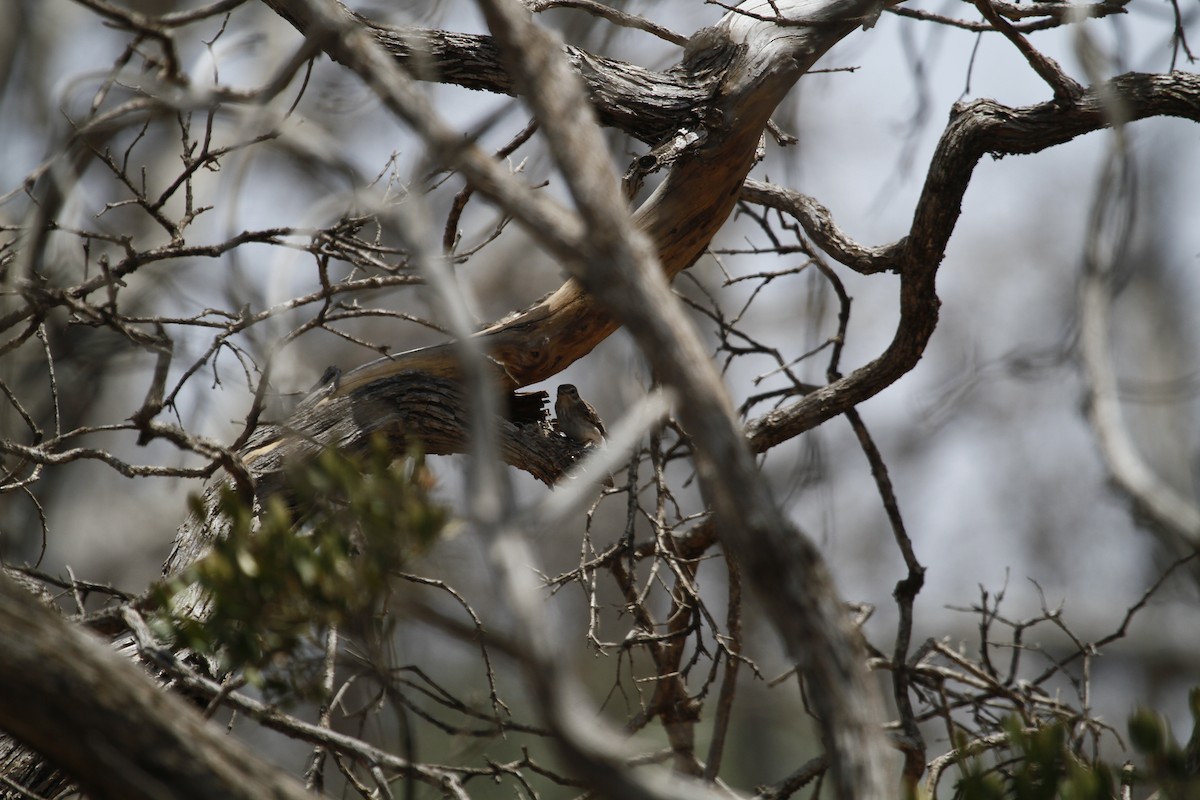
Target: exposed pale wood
743, 67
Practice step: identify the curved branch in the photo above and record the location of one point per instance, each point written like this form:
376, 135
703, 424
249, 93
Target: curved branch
742, 85
411, 408
976, 129
818, 223
1165, 509
645, 104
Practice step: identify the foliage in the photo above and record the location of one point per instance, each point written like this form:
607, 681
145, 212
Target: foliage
1038, 765
320, 559
1173, 768
1042, 764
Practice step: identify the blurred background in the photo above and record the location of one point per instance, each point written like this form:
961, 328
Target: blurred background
997, 471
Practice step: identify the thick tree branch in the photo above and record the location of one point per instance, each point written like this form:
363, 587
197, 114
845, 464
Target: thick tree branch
70, 696
410, 409
645, 104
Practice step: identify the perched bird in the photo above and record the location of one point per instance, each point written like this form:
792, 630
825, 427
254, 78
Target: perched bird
576, 417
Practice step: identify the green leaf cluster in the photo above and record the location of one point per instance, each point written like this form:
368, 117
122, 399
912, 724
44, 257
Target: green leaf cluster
1171, 768
1042, 765
317, 555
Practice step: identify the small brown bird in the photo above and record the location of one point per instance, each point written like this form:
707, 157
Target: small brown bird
576, 417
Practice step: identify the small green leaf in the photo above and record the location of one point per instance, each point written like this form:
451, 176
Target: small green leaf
1147, 732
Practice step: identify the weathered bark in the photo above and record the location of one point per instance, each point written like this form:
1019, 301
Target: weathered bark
72, 698
646, 104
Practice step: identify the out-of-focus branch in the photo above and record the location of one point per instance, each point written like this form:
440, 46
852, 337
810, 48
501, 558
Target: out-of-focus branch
1165, 508
620, 269
60, 682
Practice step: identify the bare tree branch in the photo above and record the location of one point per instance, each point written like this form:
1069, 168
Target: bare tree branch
978, 128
